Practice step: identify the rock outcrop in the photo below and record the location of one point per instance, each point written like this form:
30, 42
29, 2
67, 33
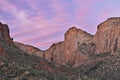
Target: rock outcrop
4, 33
4, 36
74, 50
107, 37
80, 43
55, 53
80, 56
76, 41
78, 46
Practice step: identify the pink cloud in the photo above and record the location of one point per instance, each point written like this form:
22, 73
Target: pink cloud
60, 13
20, 15
46, 43
84, 10
33, 4
8, 6
38, 23
33, 26
42, 35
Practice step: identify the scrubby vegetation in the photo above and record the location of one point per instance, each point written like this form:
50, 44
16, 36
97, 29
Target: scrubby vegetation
17, 65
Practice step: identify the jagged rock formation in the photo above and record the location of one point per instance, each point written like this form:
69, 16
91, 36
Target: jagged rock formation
17, 61
79, 46
76, 41
4, 36
4, 33
55, 53
107, 37
80, 56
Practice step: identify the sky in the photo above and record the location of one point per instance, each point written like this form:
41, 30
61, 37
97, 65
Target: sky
43, 22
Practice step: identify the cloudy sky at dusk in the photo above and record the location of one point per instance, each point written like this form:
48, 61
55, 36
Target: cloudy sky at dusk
43, 22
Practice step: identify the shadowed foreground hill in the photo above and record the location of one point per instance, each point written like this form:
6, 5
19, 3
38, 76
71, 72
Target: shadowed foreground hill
80, 56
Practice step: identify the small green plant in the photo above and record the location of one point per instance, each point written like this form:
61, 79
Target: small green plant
1, 72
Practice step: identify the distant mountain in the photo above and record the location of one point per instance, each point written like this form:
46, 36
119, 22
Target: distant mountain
81, 56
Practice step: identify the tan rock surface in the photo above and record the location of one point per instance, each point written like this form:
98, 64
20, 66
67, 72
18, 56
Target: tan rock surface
107, 37
74, 38
79, 45
55, 53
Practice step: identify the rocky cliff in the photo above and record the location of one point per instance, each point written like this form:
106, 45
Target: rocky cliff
107, 37
55, 53
78, 45
4, 33
81, 56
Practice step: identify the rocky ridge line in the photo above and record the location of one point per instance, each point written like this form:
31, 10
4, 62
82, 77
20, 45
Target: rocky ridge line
78, 46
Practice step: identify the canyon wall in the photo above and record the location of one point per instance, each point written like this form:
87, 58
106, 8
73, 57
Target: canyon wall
78, 45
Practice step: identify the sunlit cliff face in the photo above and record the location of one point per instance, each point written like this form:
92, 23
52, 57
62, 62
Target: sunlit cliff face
43, 22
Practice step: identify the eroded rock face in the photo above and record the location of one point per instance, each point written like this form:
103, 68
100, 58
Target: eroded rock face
78, 46
4, 33
55, 53
74, 50
107, 37
76, 41
29, 49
